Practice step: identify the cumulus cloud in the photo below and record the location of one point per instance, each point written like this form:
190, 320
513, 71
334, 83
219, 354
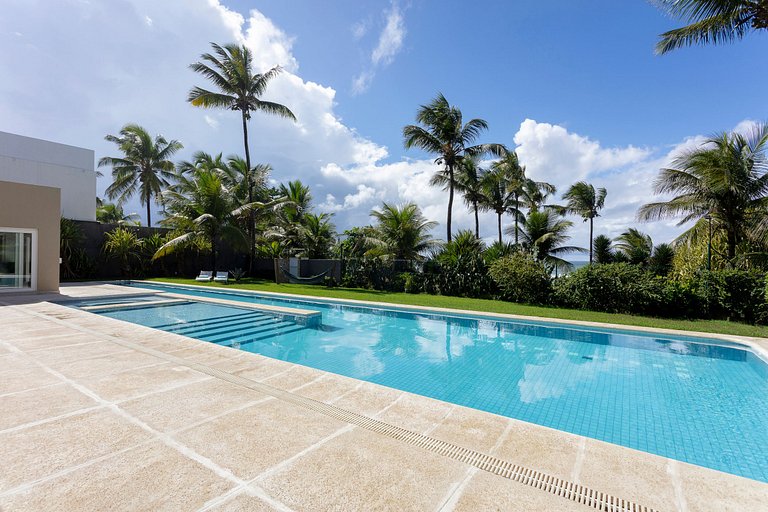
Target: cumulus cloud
120, 77
388, 46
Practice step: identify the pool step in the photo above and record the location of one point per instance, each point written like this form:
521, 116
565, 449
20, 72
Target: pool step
245, 331
222, 327
254, 338
174, 326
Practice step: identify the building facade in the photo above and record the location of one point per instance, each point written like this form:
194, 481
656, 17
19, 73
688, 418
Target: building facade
40, 182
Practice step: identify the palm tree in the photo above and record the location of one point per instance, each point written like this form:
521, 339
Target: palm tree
469, 183
402, 232
712, 21
585, 201
442, 132
544, 233
248, 184
229, 68
110, 213
635, 245
726, 178
603, 250
318, 233
662, 260
497, 195
203, 207
123, 245
145, 165
514, 181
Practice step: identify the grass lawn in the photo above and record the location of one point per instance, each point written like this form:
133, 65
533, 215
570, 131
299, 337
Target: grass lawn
488, 306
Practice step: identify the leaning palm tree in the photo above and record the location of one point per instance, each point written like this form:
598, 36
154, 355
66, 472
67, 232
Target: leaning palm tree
544, 233
587, 202
402, 232
711, 21
202, 206
441, 131
229, 68
725, 181
145, 166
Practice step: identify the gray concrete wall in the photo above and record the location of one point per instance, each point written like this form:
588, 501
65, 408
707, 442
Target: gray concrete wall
49, 164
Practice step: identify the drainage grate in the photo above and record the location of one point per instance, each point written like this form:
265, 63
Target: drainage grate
569, 490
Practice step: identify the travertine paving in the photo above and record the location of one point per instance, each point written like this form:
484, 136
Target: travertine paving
98, 414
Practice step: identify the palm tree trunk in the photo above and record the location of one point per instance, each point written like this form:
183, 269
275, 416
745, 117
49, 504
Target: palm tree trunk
450, 200
251, 217
731, 246
498, 214
516, 220
591, 245
477, 220
213, 254
149, 215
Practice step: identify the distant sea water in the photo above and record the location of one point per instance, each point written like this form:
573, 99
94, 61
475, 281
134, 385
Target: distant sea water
577, 264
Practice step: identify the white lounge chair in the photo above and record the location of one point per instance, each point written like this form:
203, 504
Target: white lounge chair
221, 277
205, 275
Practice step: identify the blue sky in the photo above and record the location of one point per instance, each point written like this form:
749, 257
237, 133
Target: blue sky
574, 87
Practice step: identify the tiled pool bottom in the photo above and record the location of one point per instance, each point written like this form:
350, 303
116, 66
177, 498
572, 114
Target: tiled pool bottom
697, 403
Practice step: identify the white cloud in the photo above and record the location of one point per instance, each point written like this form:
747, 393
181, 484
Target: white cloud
119, 78
360, 28
391, 38
388, 46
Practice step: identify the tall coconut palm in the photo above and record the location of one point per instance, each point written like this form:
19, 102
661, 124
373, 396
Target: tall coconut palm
514, 180
145, 166
544, 233
230, 69
725, 178
468, 183
402, 232
498, 196
711, 21
583, 200
442, 132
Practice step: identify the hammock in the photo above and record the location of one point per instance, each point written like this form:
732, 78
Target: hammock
305, 280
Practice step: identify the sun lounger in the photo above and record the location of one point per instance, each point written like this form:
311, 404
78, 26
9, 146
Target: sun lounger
205, 275
221, 277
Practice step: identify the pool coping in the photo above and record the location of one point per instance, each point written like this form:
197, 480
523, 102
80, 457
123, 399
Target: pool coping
711, 478
759, 346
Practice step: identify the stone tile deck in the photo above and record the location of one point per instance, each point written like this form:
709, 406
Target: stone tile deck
98, 414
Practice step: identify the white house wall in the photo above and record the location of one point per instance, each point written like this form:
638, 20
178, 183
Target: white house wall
39, 162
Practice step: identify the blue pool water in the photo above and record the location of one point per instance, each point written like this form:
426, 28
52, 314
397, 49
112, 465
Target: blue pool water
680, 397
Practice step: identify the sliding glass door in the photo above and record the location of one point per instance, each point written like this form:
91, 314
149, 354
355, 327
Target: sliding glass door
17, 259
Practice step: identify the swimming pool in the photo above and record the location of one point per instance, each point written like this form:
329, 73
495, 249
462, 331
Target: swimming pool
691, 399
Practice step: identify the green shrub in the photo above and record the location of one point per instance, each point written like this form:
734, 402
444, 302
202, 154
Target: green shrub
733, 295
458, 277
613, 288
520, 278
373, 273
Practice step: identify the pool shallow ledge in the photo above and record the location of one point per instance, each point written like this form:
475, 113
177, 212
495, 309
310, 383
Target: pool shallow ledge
300, 316
758, 346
